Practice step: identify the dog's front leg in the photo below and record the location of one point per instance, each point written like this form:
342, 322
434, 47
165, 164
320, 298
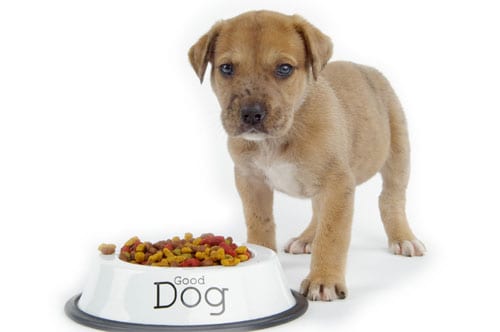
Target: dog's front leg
257, 199
326, 279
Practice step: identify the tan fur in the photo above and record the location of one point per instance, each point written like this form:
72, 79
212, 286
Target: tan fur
327, 129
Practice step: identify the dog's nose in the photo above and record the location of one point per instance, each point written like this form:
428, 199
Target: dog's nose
253, 114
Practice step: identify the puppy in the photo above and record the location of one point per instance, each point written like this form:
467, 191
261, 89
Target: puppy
308, 129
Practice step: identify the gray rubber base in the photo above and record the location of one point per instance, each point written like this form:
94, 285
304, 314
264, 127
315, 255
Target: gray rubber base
73, 312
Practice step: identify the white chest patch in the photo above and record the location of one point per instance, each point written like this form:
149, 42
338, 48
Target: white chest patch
283, 177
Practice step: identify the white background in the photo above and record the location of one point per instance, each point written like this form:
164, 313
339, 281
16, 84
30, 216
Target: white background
105, 132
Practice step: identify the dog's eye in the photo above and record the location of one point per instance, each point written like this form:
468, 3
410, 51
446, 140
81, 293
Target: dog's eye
226, 69
284, 70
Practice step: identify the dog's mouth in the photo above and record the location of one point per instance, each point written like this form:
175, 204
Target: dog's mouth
253, 134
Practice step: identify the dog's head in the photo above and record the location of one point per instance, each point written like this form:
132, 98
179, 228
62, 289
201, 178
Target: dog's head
262, 64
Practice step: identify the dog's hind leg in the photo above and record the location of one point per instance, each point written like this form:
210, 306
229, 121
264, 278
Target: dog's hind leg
395, 175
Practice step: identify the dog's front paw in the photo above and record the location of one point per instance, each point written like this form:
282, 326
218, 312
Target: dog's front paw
298, 245
323, 289
407, 248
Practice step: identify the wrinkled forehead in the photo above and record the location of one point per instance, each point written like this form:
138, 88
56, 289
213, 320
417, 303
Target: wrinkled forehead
257, 40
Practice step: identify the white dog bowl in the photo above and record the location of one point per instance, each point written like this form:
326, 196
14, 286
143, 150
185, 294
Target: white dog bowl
124, 296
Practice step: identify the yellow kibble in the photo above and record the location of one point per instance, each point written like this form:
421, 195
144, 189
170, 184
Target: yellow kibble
178, 259
200, 255
140, 247
167, 252
197, 241
155, 257
243, 258
188, 236
131, 241
186, 250
171, 259
230, 261
241, 250
177, 251
163, 262
217, 254
176, 239
139, 257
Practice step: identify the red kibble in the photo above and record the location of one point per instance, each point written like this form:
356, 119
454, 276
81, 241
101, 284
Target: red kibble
191, 262
227, 249
212, 240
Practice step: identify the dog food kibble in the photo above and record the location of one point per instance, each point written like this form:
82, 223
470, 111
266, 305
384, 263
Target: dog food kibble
107, 249
205, 250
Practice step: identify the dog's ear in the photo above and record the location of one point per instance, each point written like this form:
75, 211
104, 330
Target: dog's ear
202, 52
319, 47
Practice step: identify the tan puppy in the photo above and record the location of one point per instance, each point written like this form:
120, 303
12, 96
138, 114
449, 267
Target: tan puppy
307, 129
